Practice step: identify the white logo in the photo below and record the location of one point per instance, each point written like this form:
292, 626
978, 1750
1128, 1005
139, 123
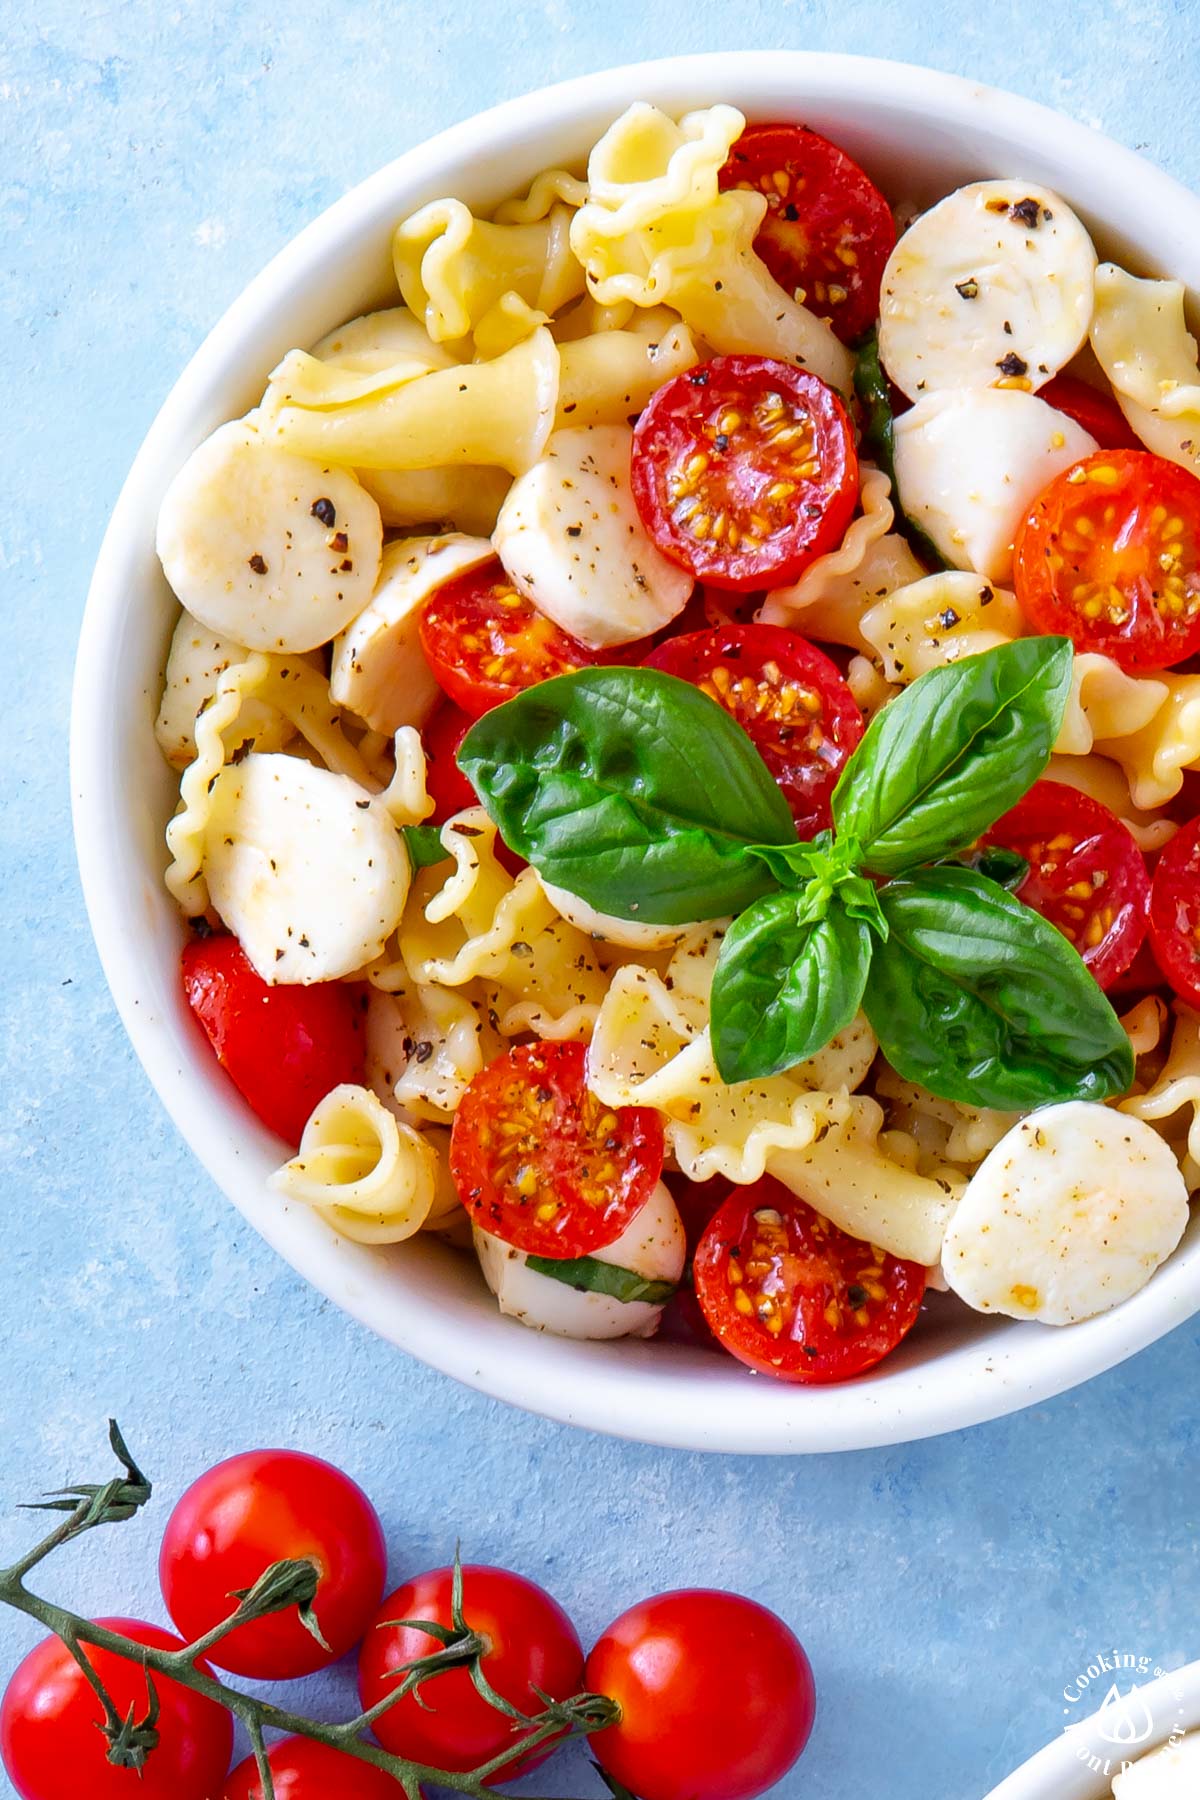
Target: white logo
1126, 1717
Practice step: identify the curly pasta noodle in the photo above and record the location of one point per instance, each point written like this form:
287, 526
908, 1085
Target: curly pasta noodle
371, 1177
828, 577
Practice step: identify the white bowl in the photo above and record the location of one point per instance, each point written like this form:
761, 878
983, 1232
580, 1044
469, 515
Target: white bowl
1081, 1763
921, 133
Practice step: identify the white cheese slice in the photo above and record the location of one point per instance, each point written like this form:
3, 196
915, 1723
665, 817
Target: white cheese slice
630, 934
1070, 1214
305, 868
379, 669
993, 283
969, 465
247, 554
570, 537
653, 1246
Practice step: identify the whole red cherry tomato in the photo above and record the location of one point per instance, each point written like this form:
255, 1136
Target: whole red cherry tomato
532, 1644
52, 1749
257, 1509
1175, 913
716, 1695
284, 1048
302, 1769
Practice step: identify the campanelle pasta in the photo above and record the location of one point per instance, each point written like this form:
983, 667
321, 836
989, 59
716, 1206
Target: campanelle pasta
553, 871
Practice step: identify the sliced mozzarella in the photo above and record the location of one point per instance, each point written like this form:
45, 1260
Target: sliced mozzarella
196, 658
571, 540
305, 868
630, 934
1070, 1214
248, 555
993, 283
379, 669
1172, 1772
653, 1246
969, 466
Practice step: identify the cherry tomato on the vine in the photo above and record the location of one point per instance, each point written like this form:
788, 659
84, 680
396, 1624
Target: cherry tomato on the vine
1095, 410
284, 1048
541, 1163
1175, 913
744, 471
1086, 873
716, 1695
257, 1509
787, 695
789, 1293
1109, 555
486, 643
828, 231
302, 1769
531, 1644
52, 1747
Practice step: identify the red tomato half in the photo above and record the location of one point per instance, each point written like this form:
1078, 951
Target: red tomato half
302, 1769
744, 471
828, 230
1175, 913
52, 1749
1094, 409
284, 1048
485, 643
532, 1643
787, 695
540, 1163
716, 1695
1086, 873
791, 1295
1109, 555
448, 787
256, 1509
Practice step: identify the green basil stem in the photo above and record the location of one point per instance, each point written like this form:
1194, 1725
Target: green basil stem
133, 1741
879, 441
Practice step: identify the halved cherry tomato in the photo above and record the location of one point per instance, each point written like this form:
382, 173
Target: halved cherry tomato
1086, 873
52, 1747
1109, 555
284, 1048
531, 1644
1094, 409
448, 787
828, 230
541, 1163
302, 1769
793, 1296
716, 1695
256, 1509
789, 698
485, 643
744, 471
1175, 913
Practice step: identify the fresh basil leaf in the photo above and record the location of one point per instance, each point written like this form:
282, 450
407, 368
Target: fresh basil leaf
633, 790
952, 753
979, 1000
879, 441
790, 976
1007, 868
591, 1276
424, 845
815, 859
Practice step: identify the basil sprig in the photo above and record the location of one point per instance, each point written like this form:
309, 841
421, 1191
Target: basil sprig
633, 790
636, 792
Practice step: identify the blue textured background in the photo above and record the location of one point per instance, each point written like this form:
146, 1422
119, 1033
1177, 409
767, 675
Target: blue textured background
152, 156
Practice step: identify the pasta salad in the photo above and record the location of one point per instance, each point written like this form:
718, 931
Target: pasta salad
687, 728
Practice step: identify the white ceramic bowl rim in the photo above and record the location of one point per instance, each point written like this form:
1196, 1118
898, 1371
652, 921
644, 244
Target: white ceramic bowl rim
1080, 1764
686, 1399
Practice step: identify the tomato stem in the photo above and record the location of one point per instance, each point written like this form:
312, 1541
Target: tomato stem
289, 1583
